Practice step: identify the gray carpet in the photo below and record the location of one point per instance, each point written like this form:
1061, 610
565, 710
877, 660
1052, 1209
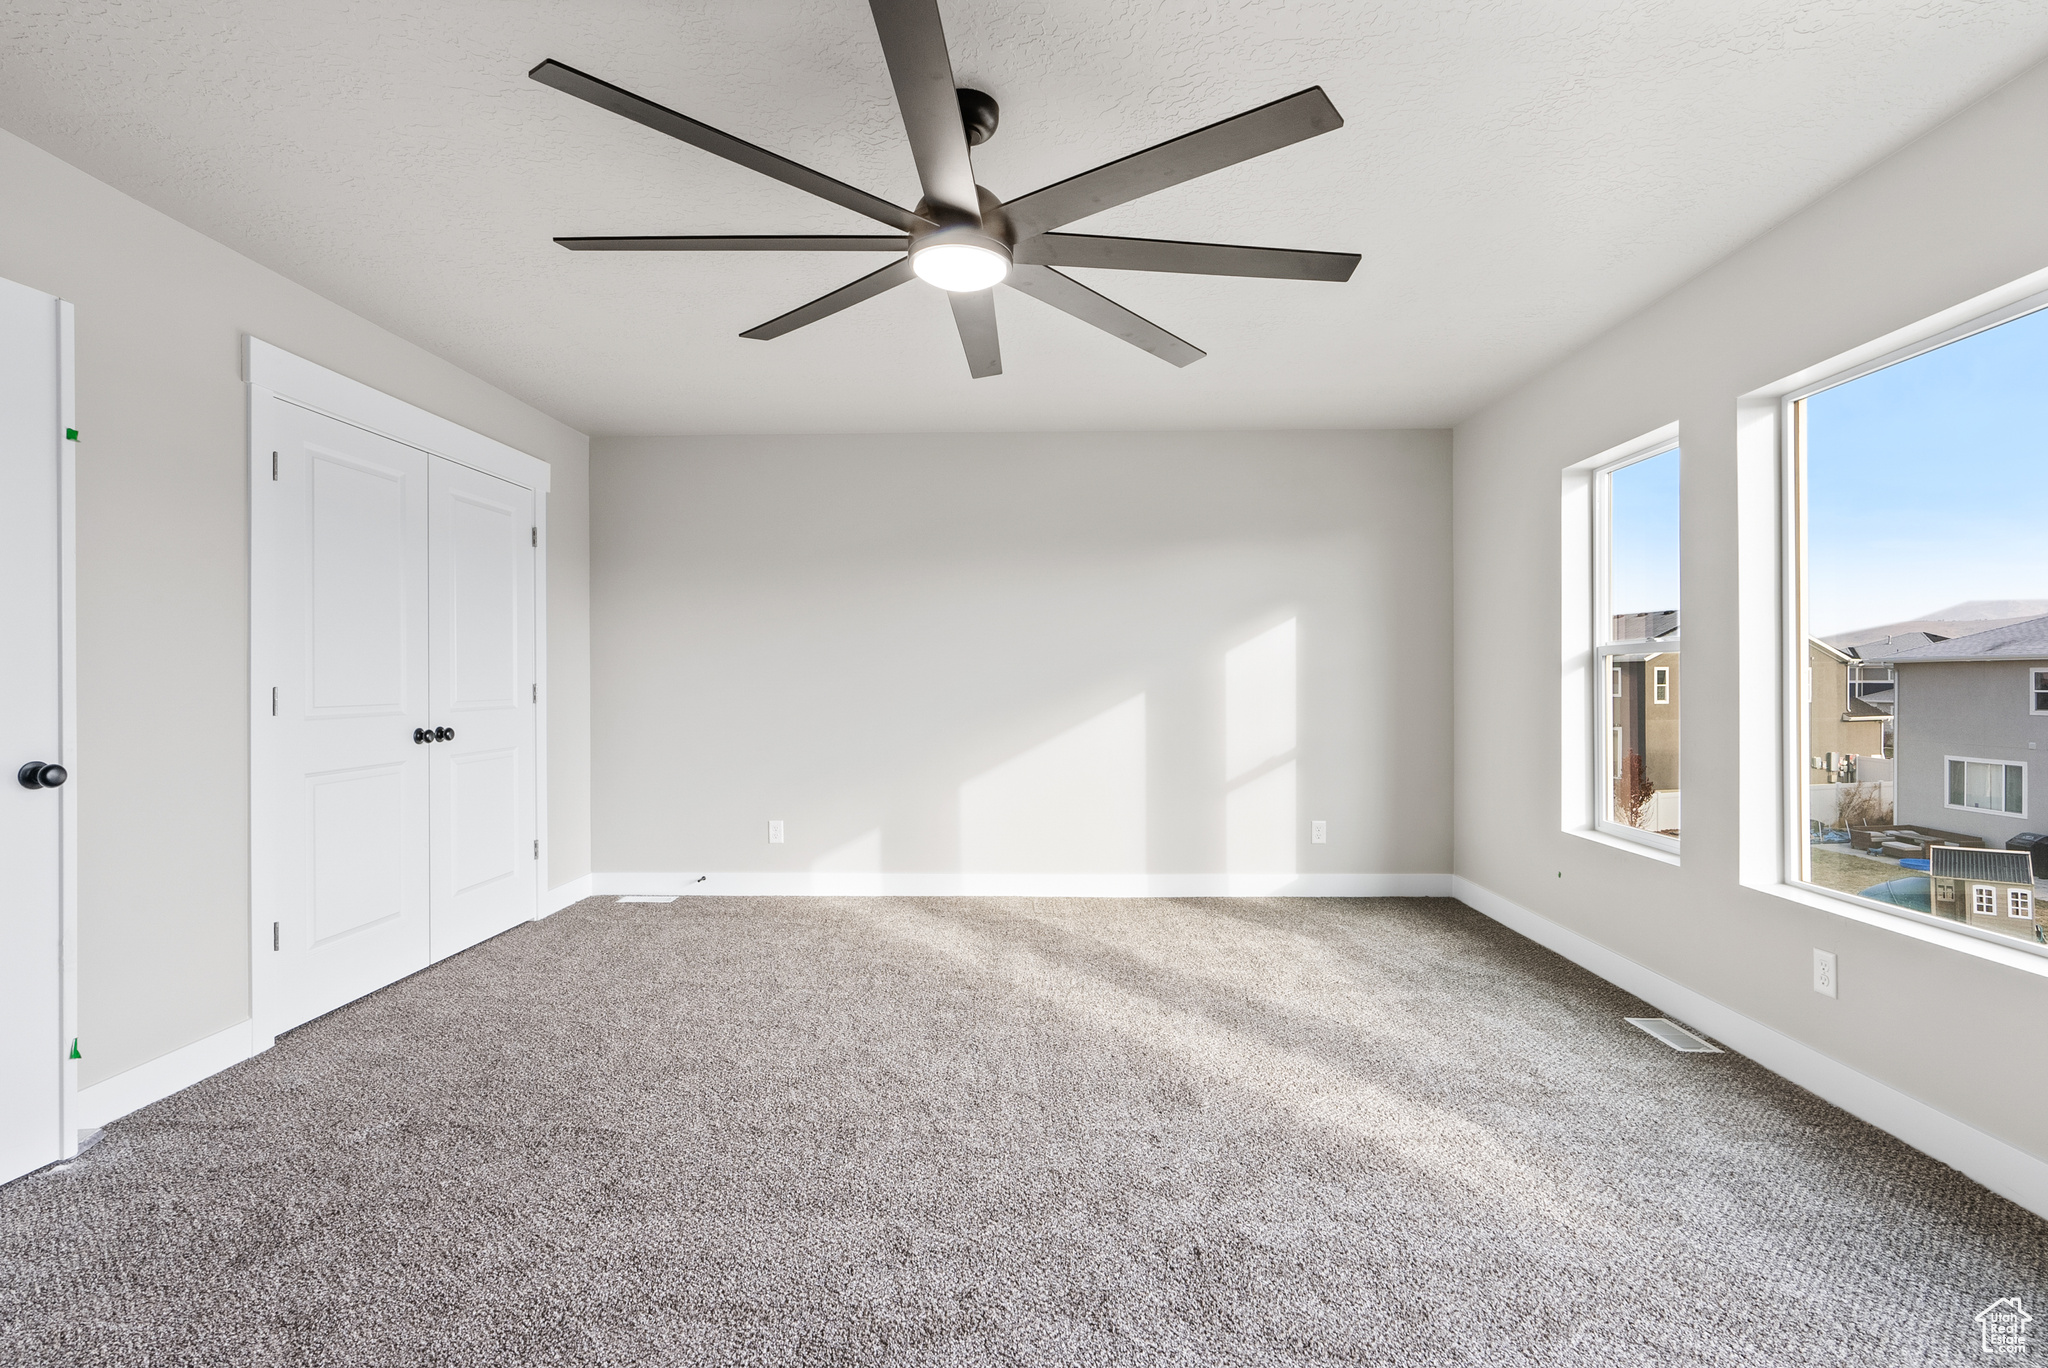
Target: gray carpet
1000, 1131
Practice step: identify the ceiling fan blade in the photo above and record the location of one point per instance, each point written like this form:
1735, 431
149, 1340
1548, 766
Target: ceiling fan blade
1253, 133
881, 242
663, 120
1068, 295
974, 313
845, 297
1188, 258
914, 44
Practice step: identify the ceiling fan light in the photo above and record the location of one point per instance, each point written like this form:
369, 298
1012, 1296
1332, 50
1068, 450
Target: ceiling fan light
960, 267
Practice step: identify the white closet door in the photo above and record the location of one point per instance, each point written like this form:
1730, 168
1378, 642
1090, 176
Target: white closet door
31, 830
339, 825
482, 546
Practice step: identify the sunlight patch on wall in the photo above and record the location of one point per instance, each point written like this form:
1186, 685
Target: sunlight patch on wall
1259, 832
1074, 804
1258, 761
855, 867
1258, 701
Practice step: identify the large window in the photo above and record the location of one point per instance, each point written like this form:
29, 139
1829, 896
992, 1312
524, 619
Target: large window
1635, 632
1922, 622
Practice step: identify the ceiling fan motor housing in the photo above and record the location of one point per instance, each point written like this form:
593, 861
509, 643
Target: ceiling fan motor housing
978, 114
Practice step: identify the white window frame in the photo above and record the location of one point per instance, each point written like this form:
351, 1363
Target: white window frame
2020, 765
1660, 683
2019, 902
1605, 651
2035, 689
1982, 896
1785, 403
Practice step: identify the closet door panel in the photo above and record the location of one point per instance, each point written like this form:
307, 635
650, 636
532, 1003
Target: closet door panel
340, 804
484, 827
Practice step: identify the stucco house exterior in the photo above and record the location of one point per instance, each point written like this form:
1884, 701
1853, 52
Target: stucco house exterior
1972, 731
1644, 709
1842, 721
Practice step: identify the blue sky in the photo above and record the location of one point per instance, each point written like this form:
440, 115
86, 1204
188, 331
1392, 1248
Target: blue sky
1643, 555
1926, 482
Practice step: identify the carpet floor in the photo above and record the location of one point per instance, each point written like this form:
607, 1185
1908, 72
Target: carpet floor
1001, 1131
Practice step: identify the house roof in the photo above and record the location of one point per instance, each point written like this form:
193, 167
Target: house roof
1651, 626
2026, 640
1958, 619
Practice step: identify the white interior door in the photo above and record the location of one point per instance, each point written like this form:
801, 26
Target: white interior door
341, 665
482, 542
32, 418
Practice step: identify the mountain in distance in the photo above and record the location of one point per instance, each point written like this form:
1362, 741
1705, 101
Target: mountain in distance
1961, 619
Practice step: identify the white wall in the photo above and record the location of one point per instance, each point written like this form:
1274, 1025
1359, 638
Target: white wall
163, 604
1956, 215
1086, 659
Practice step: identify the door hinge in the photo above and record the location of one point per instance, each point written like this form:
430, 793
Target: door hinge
273, 700
273, 465
536, 536
536, 848
274, 936
536, 693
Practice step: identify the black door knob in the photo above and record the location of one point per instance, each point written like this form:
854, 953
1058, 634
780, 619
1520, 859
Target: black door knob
36, 774
420, 736
444, 733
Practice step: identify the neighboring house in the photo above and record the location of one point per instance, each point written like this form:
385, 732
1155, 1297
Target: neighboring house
1972, 730
1844, 722
1644, 708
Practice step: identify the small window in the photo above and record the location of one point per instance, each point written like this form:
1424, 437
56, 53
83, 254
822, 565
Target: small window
1661, 687
1984, 900
2019, 903
1987, 786
2039, 680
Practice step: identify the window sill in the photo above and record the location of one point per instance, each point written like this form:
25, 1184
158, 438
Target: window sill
1659, 848
1920, 926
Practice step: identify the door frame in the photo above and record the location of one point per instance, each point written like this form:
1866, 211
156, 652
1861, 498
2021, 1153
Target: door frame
67, 735
274, 373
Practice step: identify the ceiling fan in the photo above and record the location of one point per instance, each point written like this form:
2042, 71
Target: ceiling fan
963, 239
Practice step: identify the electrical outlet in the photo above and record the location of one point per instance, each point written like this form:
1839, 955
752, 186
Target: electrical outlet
775, 833
1319, 833
1824, 979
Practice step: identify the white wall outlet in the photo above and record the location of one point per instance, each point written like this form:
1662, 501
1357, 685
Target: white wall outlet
775, 833
1824, 973
1319, 833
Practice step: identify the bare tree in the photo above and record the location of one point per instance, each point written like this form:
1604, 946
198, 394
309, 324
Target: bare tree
1632, 791
1861, 804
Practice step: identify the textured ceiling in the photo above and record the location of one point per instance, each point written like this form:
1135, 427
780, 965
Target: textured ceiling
1517, 174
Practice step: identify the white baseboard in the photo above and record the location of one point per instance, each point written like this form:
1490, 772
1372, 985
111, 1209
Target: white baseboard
152, 1082
2010, 1172
561, 895
956, 884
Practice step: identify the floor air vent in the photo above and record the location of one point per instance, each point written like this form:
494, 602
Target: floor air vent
647, 897
1673, 1034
